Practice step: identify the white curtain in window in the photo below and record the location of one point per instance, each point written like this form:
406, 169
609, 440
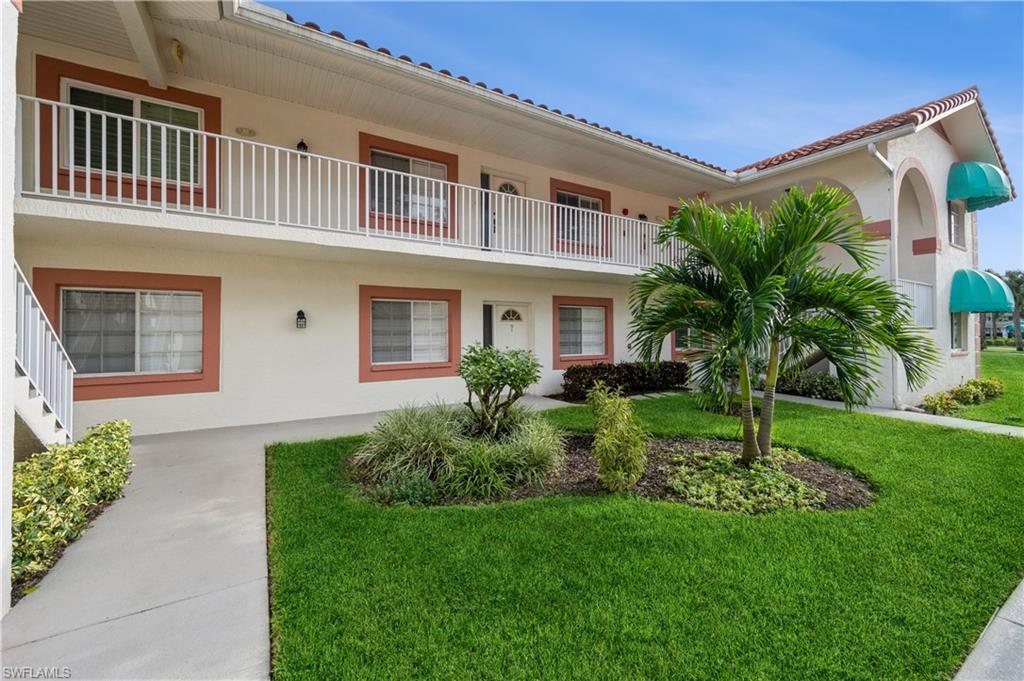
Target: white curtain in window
170, 331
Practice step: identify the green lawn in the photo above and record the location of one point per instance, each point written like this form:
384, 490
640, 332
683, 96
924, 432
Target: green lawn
1007, 365
619, 587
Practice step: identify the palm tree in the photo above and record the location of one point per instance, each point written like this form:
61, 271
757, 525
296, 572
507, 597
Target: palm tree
756, 283
1015, 278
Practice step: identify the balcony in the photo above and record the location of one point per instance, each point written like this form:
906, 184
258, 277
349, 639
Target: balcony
71, 153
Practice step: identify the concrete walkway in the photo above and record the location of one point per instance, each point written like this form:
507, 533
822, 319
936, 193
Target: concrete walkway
170, 582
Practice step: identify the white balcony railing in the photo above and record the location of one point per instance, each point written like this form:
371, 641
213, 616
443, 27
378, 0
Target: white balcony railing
86, 155
40, 356
922, 297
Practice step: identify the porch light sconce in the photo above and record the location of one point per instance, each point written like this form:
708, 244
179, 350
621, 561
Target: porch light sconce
302, 147
300, 320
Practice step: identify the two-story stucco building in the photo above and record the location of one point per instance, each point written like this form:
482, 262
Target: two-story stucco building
227, 217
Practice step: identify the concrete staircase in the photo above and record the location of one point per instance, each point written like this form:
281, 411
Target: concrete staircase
35, 426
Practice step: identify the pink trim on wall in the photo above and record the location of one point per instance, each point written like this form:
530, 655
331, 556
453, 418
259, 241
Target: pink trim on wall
47, 283
926, 245
882, 229
18, 5
369, 372
560, 362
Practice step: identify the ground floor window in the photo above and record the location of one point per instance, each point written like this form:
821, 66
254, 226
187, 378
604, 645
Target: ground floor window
409, 331
132, 331
580, 330
583, 330
133, 334
958, 330
688, 339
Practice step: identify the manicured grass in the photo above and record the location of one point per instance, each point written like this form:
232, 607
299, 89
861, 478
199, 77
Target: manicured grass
619, 587
1007, 365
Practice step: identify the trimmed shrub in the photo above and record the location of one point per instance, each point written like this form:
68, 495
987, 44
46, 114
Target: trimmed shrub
411, 440
424, 456
55, 494
495, 379
940, 403
967, 393
990, 388
628, 377
620, 440
820, 385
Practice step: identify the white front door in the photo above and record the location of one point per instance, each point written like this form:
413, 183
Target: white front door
508, 213
511, 326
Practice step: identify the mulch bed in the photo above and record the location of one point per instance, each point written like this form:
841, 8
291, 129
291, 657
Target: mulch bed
843, 490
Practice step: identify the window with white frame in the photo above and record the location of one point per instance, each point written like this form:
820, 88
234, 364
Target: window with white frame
408, 331
134, 146
957, 223
576, 225
119, 331
581, 330
422, 197
958, 330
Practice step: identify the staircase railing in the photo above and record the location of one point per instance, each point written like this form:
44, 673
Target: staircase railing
40, 356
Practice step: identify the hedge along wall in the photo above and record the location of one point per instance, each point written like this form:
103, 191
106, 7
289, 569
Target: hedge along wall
56, 493
629, 377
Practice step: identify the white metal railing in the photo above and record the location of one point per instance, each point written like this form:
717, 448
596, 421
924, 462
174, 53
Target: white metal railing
40, 356
922, 298
87, 155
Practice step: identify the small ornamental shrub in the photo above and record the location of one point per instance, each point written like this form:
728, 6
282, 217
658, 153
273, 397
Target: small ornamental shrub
414, 489
422, 456
719, 481
630, 378
495, 379
990, 388
56, 492
820, 385
940, 403
967, 393
620, 440
411, 440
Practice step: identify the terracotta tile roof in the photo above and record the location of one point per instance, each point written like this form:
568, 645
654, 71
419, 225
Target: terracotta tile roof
511, 95
915, 116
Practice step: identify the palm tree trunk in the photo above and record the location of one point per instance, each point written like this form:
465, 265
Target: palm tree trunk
750, 450
764, 428
1016, 329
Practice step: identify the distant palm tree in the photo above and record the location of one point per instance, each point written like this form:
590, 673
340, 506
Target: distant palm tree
753, 283
1015, 279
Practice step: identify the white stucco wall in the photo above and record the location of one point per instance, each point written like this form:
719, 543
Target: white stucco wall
270, 371
9, 43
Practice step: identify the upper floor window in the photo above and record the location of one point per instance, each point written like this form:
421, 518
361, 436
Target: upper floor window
119, 331
409, 197
97, 141
957, 223
577, 226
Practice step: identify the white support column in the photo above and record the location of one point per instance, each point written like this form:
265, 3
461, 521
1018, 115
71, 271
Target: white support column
8, 107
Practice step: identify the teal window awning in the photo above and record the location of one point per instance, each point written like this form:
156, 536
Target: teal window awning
979, 185
978, 291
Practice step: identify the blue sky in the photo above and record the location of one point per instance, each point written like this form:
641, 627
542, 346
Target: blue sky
729, 83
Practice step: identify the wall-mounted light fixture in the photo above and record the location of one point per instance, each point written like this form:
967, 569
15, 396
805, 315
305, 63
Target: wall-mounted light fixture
300, 320
302, 147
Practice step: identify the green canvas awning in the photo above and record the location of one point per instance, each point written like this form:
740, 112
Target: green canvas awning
977, 291
978, 185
